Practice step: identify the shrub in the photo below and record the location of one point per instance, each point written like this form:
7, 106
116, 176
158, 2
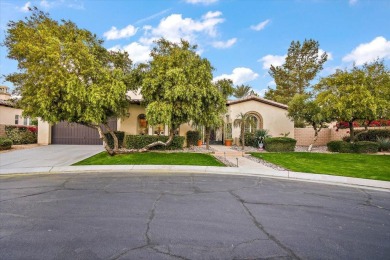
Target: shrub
119, 134
22, 134
5, 143
346, 147
384, 143
192, 138
280, 144
250, 139
334, 146
372, 135
140, 141
365, 147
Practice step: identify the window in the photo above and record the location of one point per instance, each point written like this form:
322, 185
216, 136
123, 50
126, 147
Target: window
16, 119
142, 124
25, 121
159, 129
252, 124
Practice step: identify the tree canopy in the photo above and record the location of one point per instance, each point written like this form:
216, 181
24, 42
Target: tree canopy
242, 91
302, 64
65, 73
362, 93
177, 86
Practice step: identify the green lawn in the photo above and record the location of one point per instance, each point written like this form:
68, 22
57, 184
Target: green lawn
364, 166
152, 158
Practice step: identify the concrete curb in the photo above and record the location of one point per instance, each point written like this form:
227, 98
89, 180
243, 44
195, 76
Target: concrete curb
271, 173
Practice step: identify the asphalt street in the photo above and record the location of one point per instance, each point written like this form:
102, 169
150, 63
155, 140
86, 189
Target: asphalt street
188, 216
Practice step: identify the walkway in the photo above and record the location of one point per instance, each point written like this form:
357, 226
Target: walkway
233, 155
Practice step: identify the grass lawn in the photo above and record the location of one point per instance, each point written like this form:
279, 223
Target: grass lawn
152, 158
364, 166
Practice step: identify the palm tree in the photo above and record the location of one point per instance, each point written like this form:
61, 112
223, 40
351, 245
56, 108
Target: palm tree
242, 91
241, 121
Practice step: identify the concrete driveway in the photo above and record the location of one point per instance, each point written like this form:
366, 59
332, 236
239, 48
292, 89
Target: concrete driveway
47, 156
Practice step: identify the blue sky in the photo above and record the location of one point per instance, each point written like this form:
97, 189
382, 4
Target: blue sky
241, 38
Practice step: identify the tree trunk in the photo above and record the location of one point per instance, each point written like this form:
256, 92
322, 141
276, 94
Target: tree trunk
351, 131
316, 132
243, 136
104, 139
114, 137
207, 136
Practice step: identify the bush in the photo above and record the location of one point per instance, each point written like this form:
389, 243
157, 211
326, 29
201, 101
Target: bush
5, 143
192, 138
250, 140
370, 135
119, 134
21, 134
140, 141
280, 144
334, 146
365, 147
346, 147
384, 143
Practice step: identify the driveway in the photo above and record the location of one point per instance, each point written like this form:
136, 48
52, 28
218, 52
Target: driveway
188, 216
47, 156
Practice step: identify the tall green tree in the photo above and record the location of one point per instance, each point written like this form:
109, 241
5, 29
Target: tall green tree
242, 91
305, 107
360, 94
176, 85
301, 66
65, 73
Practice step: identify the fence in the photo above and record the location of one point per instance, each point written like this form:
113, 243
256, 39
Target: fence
305, 136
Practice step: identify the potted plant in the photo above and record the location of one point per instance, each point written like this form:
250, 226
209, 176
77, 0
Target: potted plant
200, 142
228, 142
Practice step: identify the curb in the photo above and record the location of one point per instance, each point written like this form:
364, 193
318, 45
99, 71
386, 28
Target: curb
271, 173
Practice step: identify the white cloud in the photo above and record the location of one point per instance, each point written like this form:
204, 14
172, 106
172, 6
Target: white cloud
261, 25
239, 76
205, 2
114, 33
175, 27
137, 52
224, 45
353, 2
271, 83
25, 7
275, 60
367, 52
45, 4
74, 4
321, 51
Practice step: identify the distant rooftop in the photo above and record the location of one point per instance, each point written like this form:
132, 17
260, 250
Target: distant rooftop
259, 99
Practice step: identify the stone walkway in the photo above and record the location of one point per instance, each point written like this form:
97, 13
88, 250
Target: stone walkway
234, 156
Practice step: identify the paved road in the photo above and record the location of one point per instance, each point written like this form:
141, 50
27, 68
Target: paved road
188, 216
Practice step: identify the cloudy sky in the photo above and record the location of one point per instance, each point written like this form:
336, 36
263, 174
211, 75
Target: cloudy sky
241, 38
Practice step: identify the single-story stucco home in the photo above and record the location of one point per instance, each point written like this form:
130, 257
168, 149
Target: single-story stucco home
267, 114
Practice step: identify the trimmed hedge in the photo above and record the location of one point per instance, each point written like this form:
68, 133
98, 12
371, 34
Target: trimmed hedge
366, 147
358, 147
119, 134
280, 144
5, 143
370, 135
140, 141
334, 146
192, 138
22, 134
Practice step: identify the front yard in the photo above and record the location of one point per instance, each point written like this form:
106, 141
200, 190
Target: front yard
152, 158
364, 166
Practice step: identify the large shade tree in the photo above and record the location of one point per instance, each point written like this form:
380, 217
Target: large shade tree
360, 94
177, 87
303, 63
65, 73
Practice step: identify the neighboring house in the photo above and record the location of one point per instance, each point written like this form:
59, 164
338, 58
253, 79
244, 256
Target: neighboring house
9, 115
267, 114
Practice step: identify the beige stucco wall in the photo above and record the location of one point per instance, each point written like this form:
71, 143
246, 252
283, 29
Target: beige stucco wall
129, 124
274, 118
7, 115
44, 132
